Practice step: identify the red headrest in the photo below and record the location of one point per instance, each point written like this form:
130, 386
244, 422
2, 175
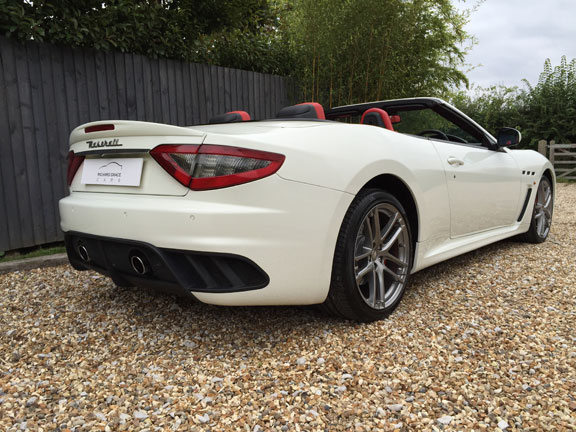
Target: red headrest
230, 117
377, 117
243, 115
304, 110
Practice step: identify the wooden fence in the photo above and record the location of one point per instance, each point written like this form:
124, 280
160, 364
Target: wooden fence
46, 91
563, 157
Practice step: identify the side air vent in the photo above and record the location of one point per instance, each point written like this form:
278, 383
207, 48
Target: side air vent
525, 206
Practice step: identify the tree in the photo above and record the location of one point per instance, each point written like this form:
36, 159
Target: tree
550, 106
544, 111
356, 50
233, 33
493, 107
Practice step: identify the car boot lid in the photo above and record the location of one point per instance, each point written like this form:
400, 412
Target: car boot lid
112, 134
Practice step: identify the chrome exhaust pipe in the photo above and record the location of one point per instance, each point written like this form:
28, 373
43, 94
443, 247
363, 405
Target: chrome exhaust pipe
139, 264
83, 252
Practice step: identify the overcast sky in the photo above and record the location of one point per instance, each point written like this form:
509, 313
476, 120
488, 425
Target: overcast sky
515, 37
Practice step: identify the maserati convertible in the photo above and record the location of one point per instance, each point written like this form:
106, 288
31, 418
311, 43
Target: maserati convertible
336, 207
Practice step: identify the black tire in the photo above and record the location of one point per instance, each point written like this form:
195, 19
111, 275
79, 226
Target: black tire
349, 299
541, 218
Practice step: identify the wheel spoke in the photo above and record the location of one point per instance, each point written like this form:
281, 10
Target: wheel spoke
540, 226
388, 228
548, 216
394, 275
380, 289
369, 227
360, 275
364, 255
376, 221
389, 257
548, 199
392, 240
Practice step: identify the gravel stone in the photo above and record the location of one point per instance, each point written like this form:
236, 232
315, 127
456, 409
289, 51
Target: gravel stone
140, 415
204, 418
445, 420
395, 407
481, 338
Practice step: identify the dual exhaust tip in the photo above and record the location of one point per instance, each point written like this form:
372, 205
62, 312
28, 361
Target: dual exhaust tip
139, 264
137, 260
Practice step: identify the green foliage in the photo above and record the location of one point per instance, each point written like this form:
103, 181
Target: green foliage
545, 111
494, 107
233, 33
341, 51
551, 104
32, 252
357, 50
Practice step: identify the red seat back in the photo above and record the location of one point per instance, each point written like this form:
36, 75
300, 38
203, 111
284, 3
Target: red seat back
310, 110
230, 117
377, 117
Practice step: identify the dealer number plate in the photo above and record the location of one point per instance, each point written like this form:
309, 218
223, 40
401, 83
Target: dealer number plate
112, 172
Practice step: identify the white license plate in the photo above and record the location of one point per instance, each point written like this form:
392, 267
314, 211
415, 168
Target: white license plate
112, 172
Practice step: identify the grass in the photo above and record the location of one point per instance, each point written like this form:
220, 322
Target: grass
51, 249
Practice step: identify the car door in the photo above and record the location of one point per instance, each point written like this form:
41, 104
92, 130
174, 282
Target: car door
483, 186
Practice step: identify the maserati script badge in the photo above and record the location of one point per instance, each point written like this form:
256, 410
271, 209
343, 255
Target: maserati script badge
104, 143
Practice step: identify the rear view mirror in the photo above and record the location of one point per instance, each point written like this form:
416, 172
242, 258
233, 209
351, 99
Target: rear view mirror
508, 137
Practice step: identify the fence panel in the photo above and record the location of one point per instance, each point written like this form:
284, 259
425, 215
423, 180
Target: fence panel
563, 157
46, 90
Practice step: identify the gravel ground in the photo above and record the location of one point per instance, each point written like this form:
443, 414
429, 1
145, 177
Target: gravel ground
485, 341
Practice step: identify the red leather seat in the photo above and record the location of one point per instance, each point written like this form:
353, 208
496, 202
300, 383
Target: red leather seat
310, 110
377, 117
230, 117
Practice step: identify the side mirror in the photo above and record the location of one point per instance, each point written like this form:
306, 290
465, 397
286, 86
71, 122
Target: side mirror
508, 137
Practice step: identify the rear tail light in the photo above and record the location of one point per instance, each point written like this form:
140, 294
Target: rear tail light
213, 167
74, 162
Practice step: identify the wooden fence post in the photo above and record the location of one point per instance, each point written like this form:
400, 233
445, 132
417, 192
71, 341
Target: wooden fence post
552, 151
542, 147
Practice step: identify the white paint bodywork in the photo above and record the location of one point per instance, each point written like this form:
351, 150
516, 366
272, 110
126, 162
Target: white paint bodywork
466, 197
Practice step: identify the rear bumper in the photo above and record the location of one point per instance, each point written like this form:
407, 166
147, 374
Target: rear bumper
286, 229
180, 272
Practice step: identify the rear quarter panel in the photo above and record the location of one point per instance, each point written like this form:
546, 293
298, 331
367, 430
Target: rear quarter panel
346, 157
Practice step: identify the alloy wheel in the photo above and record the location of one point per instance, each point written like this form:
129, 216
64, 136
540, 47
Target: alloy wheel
381, 256
543, 208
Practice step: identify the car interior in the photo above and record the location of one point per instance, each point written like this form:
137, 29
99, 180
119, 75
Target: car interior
427, 118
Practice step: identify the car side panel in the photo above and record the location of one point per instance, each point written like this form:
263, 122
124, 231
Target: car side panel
436, 250
483, 187
346, 157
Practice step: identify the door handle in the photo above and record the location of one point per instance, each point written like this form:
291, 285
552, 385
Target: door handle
455, 161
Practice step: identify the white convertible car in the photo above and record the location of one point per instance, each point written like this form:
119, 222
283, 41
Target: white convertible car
335, 208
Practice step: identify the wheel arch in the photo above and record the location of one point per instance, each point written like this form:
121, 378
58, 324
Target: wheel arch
397, 187
550, 175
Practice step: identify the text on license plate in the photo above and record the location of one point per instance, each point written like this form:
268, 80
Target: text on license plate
112, 172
